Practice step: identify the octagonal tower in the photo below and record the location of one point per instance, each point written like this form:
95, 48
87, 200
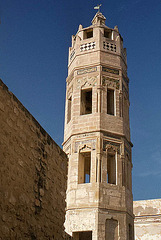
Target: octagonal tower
97, 136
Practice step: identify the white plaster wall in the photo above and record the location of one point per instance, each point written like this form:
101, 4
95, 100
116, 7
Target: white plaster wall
147, 219
147, 231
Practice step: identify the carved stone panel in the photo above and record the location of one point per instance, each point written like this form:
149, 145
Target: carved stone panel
87, 82
85, 143
110, 70
87, 70
107, 145
110, 82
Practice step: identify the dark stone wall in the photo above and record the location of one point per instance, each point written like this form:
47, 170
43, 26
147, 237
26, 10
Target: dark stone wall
33, 175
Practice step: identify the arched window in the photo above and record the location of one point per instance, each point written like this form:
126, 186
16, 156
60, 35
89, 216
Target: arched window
84, 171
110, 102
111, 168
86, 101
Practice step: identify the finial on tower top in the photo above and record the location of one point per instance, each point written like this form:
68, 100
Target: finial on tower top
98, 7
98, 19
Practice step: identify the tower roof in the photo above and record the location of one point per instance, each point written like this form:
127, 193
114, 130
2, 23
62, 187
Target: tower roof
99, 19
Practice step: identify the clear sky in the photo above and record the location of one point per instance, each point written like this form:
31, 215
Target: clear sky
34, 40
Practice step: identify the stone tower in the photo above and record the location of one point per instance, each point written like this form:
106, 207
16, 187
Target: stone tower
97, 136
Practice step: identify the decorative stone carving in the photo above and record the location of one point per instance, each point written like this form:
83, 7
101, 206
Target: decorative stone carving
87, 70
109, 46
87, 82
110, 70
111, 146
87, 46
91, 143
110, 82
84, 148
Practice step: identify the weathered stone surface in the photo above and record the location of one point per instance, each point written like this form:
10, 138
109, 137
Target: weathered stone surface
33, 174
147, 219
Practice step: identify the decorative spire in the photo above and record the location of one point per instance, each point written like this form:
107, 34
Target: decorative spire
98, 19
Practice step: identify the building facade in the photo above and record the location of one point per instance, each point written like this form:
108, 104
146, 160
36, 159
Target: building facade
147, 219
97, 136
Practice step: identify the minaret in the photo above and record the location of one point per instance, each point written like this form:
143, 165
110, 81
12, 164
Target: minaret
97, 136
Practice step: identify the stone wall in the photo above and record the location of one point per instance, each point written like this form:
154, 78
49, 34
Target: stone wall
33, 170
147, 219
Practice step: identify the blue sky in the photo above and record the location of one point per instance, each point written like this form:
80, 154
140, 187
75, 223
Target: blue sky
35, 36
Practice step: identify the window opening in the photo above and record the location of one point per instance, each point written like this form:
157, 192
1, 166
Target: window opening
111, 168
69, 109
88, 33
84, 173
111, 229
107, 34
86, 235
110, 101
86, 101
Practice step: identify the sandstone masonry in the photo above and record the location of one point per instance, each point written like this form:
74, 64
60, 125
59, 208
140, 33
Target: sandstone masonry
97, 136
33, 175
